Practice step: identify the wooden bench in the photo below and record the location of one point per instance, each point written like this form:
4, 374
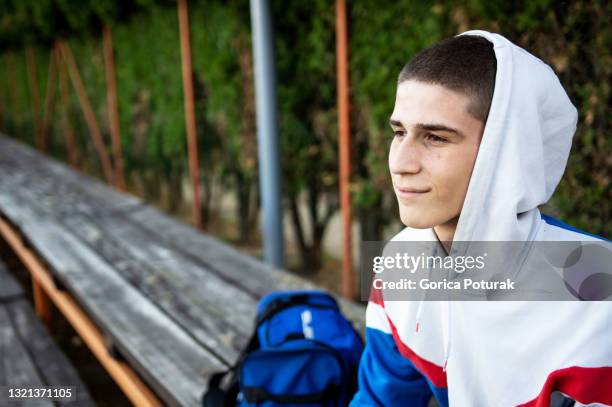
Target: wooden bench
170, 304
29, 356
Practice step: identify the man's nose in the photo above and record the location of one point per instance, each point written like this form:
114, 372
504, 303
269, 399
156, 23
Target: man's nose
405, 157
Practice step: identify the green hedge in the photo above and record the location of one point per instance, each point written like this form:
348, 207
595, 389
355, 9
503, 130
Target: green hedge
572, 36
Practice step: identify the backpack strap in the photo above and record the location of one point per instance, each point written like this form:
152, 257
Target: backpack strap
216, 396
279, 304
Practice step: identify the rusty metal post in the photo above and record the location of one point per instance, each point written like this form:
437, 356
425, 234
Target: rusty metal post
2, 108
345, 148
49, 105
88, 112
34, 91
2, 111
12, 87
113, 110
190, 122
42, 304
69, 136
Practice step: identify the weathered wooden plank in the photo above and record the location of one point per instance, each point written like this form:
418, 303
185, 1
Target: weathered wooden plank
9, 287
59, 181
18, 211
50, 362
16, 366
217, 314
131, 384
236, 264
167, 357
40, 194
46, 201
207, 287
237, 268
54, 197
11, 178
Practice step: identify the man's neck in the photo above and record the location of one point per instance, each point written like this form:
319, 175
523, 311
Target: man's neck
445, 233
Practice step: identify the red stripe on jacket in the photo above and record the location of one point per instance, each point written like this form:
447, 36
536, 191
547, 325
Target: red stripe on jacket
434, 373
583, 384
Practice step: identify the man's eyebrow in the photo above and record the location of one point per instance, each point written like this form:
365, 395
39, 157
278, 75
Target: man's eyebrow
437, 127
428, 127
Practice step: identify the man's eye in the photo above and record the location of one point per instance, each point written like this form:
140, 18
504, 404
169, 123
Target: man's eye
436, 139
398, 133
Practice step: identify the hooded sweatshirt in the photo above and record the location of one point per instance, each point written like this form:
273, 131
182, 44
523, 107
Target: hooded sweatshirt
498, 353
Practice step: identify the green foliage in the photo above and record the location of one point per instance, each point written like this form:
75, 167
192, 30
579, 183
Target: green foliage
18, 116
571, 36
306, 92
384, 36
150, 91
227, 133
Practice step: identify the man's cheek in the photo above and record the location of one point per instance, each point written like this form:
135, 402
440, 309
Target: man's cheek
450, 182
457, 185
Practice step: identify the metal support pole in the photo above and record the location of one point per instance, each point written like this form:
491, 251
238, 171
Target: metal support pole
345, 148
49, 105
190, 121
42, 304
267, 132
34, 91
88, 112
69, 136
113, 110
2, 110
12, 87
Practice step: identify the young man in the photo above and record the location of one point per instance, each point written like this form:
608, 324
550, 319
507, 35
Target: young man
481, 135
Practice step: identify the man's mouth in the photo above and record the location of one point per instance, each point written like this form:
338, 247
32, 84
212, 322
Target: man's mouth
410, 192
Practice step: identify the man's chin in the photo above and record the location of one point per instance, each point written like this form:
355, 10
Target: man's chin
416, 222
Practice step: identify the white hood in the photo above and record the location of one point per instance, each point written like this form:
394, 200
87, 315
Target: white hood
524, 149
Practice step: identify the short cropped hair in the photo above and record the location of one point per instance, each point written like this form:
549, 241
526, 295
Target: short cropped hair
465, 64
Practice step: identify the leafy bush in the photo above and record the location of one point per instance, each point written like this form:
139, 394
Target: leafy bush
571, 36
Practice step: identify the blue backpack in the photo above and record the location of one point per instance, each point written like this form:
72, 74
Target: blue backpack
303, 352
